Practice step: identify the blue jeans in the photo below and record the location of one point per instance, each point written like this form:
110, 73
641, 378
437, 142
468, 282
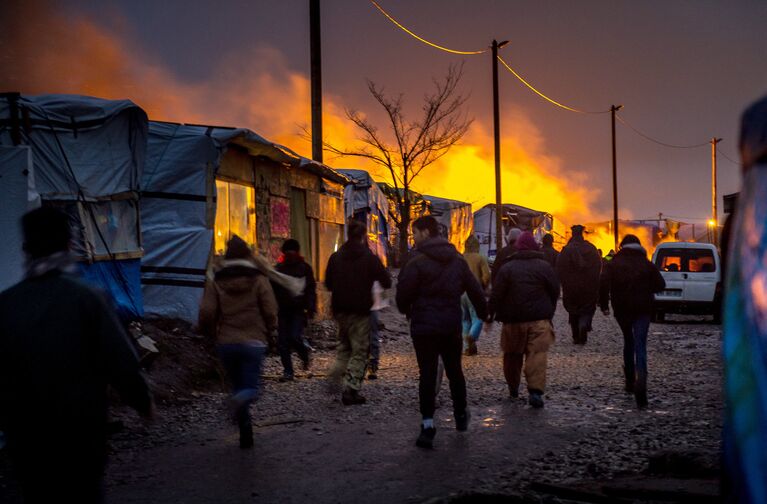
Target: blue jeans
243, 363
472, 325
635, 351
290, 336
375, 340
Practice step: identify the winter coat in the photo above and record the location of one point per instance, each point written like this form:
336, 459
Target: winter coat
578, 268
526, 289
61, 345
550, 254
430, 287
350, 275
238, 306
500, 259
631, 281
478, 267
294, 265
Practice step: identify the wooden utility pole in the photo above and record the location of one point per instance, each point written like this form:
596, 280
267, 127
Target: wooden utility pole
613, 110
714, 212
497, 138
315, 43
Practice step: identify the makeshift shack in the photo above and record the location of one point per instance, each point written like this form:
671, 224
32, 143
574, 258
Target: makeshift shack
418, 207
204, 184
366, 202
84, 156
455, 219
514, 216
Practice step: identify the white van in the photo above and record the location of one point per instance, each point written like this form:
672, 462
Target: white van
693, 275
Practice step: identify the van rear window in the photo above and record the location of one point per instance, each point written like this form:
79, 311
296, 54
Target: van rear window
685, 260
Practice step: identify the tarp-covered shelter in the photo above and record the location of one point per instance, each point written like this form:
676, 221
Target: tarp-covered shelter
367, 203
86, 157
455, 219
203, 184
514, 216
418, 208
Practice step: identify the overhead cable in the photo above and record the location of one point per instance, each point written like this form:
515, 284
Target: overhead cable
655, 140
550, 100
728, 158
432, 44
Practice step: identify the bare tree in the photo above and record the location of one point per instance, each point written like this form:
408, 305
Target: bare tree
415, 145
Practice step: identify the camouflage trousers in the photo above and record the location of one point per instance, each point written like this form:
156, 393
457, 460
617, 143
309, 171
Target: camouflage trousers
352, 350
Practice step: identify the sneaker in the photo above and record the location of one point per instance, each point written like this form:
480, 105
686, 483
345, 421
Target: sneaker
286, 377
462, 421
426, 438
536, 400
351, 397
373, 372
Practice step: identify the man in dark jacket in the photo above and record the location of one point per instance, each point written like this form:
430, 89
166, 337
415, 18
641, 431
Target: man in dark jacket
524, 298
294, 311
631, 281
550, 254
61, 345
349, 277
429, 291
578, 268
505, 253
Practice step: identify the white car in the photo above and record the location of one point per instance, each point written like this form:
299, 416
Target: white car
693, 275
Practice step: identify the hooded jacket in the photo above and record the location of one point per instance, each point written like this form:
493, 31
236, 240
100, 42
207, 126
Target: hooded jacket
295, 266
350, 276
578, 268
631, 281
526, 289
477, 262
238, 306
430, 287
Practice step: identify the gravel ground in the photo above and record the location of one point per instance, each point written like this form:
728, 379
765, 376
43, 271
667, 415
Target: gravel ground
311, 448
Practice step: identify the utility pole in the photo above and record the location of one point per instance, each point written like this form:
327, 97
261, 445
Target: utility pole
714, 213
497, 137
613, 110
315, 44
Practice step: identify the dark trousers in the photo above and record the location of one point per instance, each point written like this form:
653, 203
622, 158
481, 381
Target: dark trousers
635, 352
428, 349
290, 336
243, 363
580, 324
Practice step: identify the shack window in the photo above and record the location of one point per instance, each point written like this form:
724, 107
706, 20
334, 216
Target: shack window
235, 214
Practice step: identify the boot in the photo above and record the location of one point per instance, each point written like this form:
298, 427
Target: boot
426, 438
466, 345
472, 347
246, 435
536, 399
373, 372
462, 421
351, 397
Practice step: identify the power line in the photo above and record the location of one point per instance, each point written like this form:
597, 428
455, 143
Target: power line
550, 100
654, 140
728, 158
432, 44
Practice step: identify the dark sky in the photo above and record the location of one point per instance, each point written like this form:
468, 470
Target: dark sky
684, 70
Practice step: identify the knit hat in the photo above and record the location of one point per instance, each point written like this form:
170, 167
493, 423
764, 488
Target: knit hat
236, 248
629, 239
526, 241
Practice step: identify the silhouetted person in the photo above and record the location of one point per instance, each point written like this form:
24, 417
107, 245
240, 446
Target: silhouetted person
505, 253
550, 254
631, 281
472, 324
239, 311
349, 277
578, 268
429, 292
61, 345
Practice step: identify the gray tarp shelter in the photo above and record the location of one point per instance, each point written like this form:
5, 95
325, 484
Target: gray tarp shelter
455, 219
366, 202
87, 157
514, 216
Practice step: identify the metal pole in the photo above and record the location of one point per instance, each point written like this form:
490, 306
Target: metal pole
497, 138
613, 110
315, 42
714, 212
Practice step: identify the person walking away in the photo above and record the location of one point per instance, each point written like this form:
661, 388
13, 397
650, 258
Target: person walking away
350, 275
61, 345
239, 311
505, 252
472, 325
630, 281
294, 312
429, 293
578, 268
524, 299
550, 254
379, 303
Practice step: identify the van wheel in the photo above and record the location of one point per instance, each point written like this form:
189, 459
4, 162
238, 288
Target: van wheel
659, 317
